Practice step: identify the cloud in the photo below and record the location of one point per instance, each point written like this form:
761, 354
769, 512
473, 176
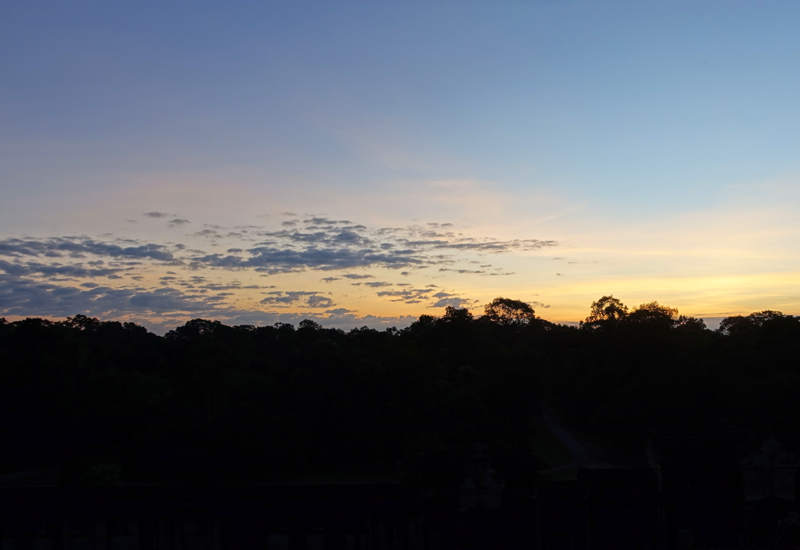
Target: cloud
339, 311
107, 276
164, 309
297, 297
430, 295
285, 260
326, 221
471, 271
320, 301
77, 246
54, 270
24, 297
483, 246
322, 244
409, 296
324, 236
169, 299
207, 233
453, 301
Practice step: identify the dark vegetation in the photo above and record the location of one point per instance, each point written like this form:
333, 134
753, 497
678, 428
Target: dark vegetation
210, 402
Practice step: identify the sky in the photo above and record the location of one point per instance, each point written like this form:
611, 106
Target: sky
362, 163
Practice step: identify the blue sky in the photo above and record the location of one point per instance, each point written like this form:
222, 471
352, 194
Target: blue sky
652, 145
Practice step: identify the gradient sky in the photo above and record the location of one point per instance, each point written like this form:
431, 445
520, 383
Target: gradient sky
363, 163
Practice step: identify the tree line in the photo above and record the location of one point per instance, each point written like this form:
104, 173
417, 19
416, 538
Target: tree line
210, 401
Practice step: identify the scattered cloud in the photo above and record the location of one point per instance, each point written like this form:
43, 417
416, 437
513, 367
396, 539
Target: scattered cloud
77, 246
24, 297
122, 277
23, 269
453, 301
298, 297
163, 309
319, 243
317, 301
407, 295
470, 271
272, 260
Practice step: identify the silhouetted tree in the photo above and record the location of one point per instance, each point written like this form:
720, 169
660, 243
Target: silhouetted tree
653, 312
607, 308
508, 312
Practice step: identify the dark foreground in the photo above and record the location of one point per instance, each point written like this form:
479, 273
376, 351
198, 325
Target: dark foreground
188, 440
692, 491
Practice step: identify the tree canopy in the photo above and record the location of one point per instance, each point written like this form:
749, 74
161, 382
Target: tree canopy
607, 308
507, 312
209, 399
